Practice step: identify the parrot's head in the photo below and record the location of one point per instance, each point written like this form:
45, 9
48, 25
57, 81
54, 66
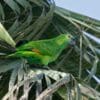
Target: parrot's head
71, 39
65, 39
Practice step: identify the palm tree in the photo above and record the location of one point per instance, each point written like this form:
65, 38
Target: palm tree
72, 76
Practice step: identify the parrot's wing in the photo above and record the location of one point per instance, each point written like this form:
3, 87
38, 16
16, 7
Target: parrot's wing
32, 57
24, 54
33, 44
41, 46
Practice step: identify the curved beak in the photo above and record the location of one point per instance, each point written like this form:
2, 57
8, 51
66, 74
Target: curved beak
73, 41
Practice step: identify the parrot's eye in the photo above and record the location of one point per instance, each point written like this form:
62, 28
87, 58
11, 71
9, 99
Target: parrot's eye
69, 36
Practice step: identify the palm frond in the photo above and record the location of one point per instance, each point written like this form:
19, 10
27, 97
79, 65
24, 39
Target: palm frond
38, 19
4, 36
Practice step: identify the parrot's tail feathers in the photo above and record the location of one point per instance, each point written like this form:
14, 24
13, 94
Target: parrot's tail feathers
11, 55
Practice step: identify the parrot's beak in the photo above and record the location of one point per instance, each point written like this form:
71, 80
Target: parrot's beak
73, 41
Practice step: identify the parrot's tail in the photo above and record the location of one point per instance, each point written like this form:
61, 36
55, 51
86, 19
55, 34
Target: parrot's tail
6, 52
13, 55
10, 55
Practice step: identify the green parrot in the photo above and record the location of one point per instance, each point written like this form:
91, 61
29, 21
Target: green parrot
43, 51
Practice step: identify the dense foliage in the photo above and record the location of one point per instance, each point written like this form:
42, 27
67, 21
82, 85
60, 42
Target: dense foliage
74, 75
